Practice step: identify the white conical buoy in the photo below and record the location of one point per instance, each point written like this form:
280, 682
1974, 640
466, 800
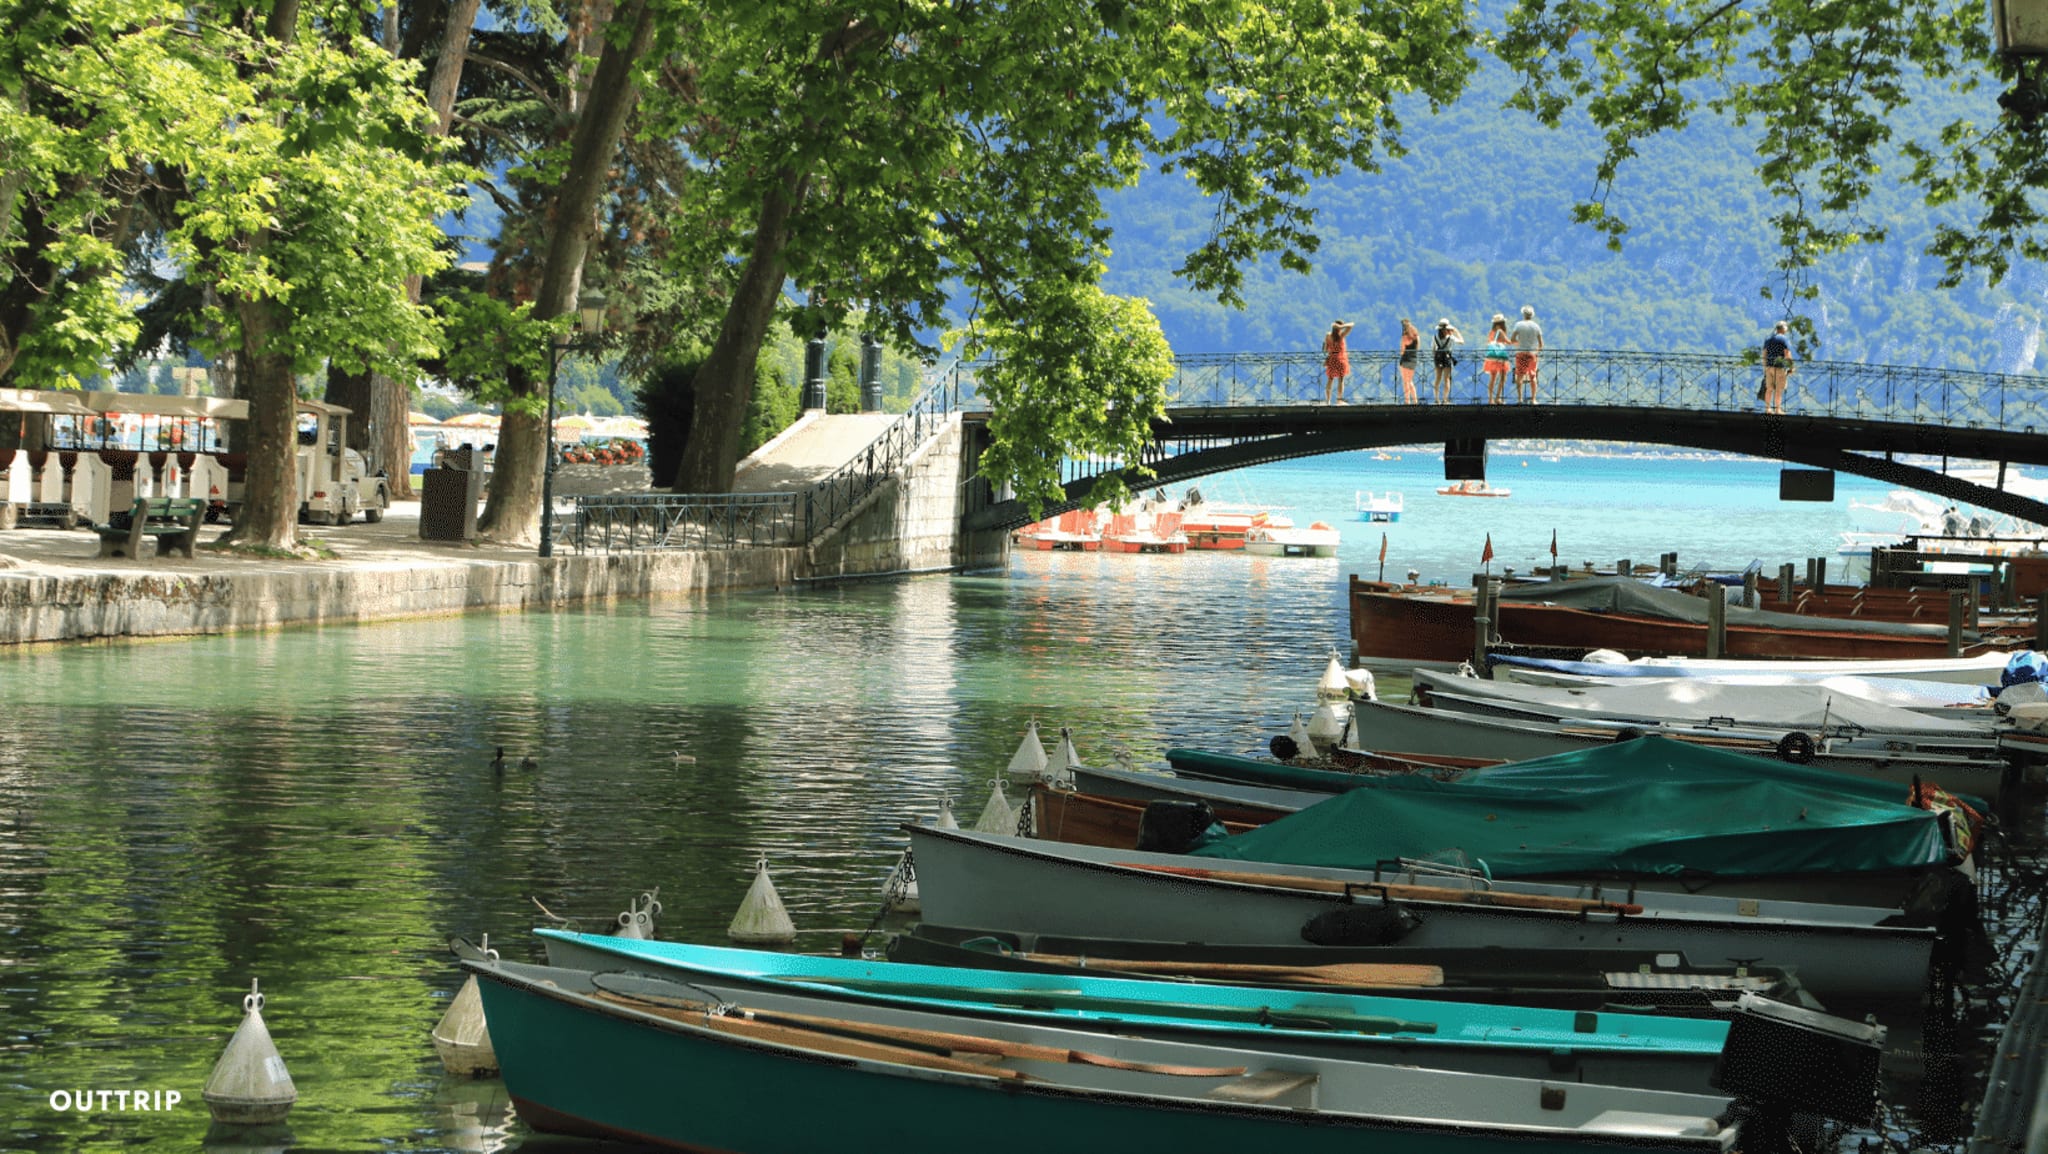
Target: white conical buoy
946, 818
249, 1086
997, 816
1326, 726
1333, 687
900, 889
1068, 760
1361, 686
637, 920
1302, 741
762, 920
462, 1039
1029, 760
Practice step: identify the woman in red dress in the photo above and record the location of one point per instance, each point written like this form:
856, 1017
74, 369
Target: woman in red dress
1336, 363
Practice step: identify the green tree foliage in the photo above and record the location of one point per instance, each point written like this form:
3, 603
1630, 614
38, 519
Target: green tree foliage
774, 406
1113, 355
925, 156
1837, 95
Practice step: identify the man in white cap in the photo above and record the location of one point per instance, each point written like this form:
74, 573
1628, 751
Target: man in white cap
1528, 338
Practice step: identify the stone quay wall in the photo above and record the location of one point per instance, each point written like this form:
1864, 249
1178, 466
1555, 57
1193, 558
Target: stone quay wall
52, 589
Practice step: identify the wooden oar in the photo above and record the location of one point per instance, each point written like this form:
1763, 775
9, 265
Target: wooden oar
1360, 975
904, 1044
1420, 893
1320, 1018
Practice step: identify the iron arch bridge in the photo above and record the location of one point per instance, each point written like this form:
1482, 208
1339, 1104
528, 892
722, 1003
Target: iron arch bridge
1229, 411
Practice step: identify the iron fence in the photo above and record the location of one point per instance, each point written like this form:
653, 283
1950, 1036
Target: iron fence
641, 522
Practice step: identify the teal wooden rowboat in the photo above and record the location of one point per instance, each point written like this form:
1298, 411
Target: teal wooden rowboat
1618, 1048
622, 1056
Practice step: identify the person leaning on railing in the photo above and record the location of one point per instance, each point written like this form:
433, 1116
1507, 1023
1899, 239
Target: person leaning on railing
1777, 367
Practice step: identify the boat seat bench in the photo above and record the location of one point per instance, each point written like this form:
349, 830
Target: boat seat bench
1268, 1087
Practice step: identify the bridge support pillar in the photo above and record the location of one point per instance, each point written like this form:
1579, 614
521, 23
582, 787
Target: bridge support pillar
1717, 620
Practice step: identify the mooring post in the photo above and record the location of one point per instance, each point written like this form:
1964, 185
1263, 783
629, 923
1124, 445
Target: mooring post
1749, 589
1717, 620
1809, 572
1624, 568
1973, 607
1955, 623
1482, 619
1668, 563
1785, 583
1820, 574
2041, 620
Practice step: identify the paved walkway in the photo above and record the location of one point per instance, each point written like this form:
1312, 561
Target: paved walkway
809, 451
394, 543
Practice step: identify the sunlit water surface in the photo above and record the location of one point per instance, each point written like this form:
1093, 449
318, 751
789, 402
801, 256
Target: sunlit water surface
315, 808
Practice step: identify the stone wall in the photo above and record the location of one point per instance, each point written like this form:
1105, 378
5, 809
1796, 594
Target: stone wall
910, 524
85, 606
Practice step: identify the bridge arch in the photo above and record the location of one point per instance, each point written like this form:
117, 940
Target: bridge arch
1232, 411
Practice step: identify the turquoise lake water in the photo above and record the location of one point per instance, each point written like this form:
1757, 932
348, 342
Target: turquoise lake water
314, 808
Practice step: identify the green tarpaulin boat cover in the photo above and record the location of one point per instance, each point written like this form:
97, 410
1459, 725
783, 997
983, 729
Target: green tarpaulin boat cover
1650, 806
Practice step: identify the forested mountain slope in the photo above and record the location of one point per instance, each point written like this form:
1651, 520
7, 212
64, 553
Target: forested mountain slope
1477, 220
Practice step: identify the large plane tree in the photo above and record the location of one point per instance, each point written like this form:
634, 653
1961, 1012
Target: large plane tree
943, 160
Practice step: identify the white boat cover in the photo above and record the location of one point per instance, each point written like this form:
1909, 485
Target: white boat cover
1805, 707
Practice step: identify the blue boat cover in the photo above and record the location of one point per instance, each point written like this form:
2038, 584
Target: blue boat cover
1647, 807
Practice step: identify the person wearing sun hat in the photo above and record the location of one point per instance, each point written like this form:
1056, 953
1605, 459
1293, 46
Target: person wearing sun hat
1499, 356
1336, 363
1447, 334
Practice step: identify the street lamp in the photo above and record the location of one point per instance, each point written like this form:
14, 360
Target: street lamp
2021, 27
590, 326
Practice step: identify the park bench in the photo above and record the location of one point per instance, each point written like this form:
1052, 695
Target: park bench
173, 521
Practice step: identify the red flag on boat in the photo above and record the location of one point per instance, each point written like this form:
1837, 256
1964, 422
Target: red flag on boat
1486, 558
1383, 548
1553, 546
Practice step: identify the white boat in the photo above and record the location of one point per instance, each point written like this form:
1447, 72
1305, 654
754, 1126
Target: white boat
1938, 528
1023, 885
1982, 669
1380, 508
1471, 489
1318, 540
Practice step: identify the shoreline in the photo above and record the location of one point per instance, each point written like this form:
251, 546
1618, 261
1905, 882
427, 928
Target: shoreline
56, 590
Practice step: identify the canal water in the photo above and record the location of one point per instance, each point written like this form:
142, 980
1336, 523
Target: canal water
315, 809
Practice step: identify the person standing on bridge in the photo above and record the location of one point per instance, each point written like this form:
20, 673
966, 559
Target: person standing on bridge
1528, 338
1336, 362
1499, 354
1777, 366
1447, 334
1411, 341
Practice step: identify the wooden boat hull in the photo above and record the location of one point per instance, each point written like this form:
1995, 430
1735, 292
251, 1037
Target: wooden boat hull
575, 1063
1622, 1049
1085, 819
1438, 628
1028, 886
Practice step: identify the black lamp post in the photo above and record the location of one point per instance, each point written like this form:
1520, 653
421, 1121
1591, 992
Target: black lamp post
2021, 27
590, 326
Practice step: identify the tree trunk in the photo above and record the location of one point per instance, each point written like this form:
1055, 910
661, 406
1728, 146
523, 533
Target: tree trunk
269, 515
513, 511
382, 428
726, 382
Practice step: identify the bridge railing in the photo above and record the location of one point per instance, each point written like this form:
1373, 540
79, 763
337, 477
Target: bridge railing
639, 522
1701, 382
